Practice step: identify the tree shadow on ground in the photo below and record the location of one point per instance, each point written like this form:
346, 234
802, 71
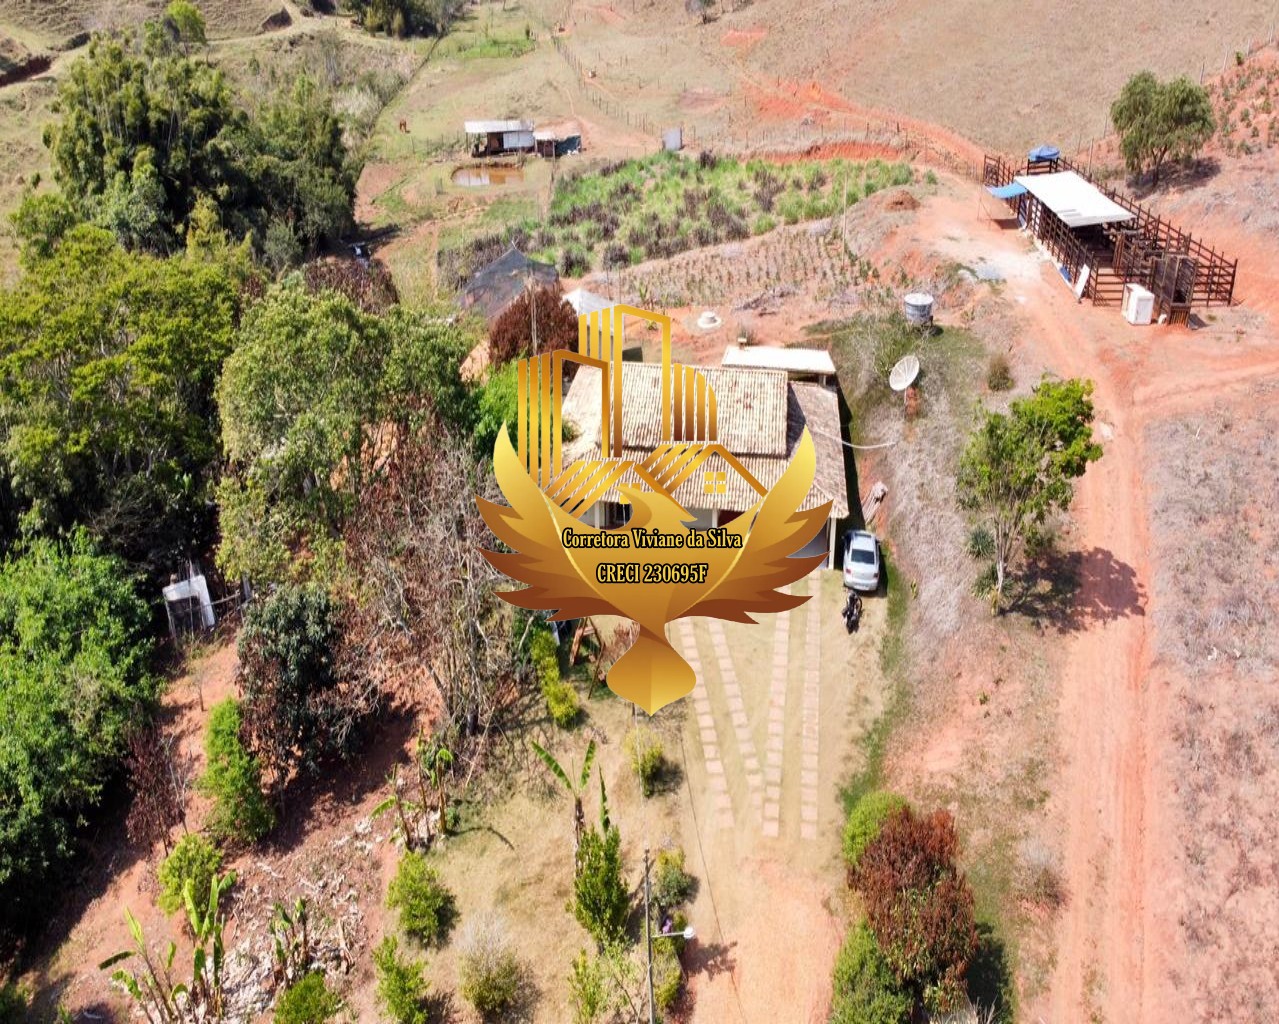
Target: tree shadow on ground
1175, 177
709, 958
440, 1008
1076, 590
309, 803
990, 982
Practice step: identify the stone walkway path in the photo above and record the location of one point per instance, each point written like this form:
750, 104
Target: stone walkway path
809, 748
719, 689
721, 804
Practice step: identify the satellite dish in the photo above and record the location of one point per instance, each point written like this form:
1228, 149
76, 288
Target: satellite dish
904, 373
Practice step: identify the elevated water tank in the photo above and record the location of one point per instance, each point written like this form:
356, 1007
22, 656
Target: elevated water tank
919, 308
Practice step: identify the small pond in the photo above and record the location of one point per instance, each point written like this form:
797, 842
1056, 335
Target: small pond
479, 177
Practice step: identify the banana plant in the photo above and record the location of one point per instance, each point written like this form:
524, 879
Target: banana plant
402, 806
434, 764
163, 1000
291, 937
576, 787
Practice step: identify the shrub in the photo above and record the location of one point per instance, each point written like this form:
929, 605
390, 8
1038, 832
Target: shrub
307, 1001
864, 822
600, 898
544, 653
233, 779
489, 972
13, 1004
401, 986
195, 860
574, 261
562, 702
512, 334
668, 976
918, 905
588, 988
999, 375
427, 908
647, 758
763, 224
865, 989
672, 885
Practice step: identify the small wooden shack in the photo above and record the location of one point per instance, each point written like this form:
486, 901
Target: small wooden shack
558, 139
493, 138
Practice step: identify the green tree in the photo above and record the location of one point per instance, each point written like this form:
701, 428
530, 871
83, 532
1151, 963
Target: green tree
1160, 121
186, 22
123, 108
426, 907
312, 384
107, 367
233, 779
39, 223
74, 675
1019, 468
146, 132
601, 901
406, 17
297, 710
402, 988
575, 785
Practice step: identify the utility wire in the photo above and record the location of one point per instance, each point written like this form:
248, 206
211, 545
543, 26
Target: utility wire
858, 447
706, 872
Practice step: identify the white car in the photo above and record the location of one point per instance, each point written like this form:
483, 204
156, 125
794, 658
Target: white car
861, 561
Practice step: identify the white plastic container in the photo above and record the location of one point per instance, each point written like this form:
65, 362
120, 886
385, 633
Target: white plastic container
1138, 305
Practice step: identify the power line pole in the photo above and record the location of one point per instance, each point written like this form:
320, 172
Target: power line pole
648, 938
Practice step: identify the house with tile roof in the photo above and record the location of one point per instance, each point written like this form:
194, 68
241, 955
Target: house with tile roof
761, 416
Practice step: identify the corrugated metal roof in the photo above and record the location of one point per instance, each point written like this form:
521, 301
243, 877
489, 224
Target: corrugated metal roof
486, 127
800, 406
1078, 202
583, 301
788, 360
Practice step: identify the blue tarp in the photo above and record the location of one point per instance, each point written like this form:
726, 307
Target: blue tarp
1011, 191
1042, 153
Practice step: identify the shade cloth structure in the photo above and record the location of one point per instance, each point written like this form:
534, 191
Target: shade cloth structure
1011, 191
1041, 154
494, 287
1076, 201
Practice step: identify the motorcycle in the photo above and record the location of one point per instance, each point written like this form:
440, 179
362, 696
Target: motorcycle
853, 611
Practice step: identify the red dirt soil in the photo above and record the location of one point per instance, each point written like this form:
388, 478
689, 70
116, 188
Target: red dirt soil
1119, 943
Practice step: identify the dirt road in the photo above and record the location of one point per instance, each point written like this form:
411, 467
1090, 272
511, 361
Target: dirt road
1118, 938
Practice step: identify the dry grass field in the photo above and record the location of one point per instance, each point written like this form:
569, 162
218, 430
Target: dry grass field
53, 21
1007, 75
1215, 502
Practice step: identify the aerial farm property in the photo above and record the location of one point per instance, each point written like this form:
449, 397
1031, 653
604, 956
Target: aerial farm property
319, 317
